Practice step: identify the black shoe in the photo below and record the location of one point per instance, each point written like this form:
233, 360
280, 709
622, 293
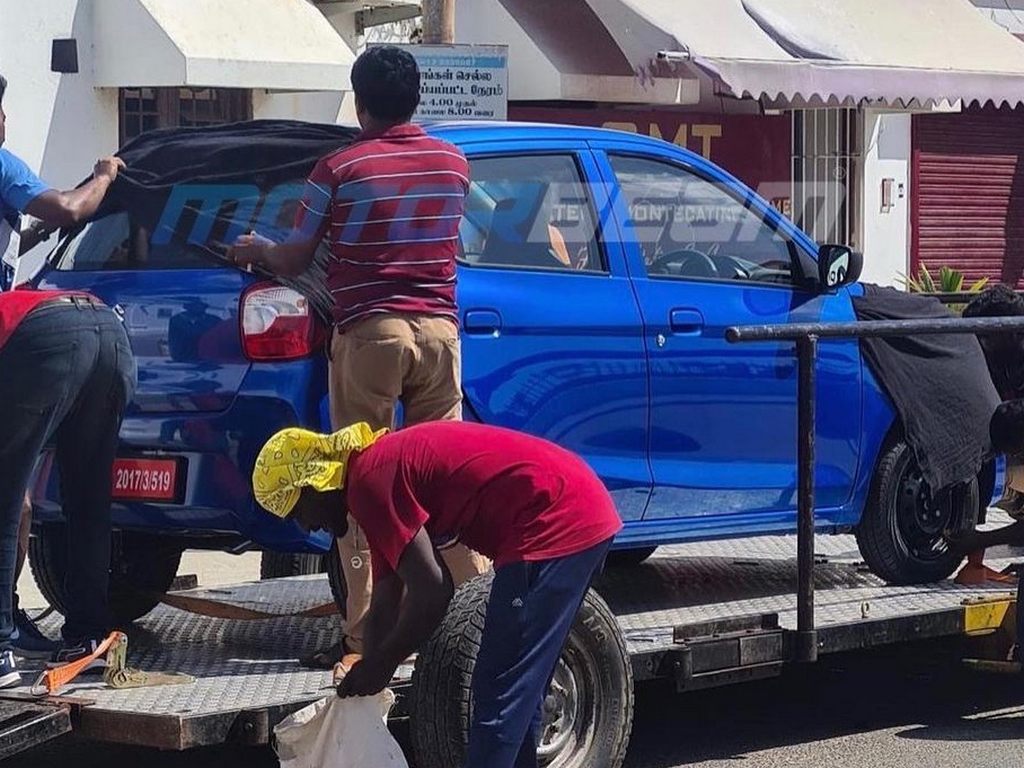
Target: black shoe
28, 642
9, 677
72, 651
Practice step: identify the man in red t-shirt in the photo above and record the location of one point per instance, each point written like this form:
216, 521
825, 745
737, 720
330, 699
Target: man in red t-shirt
389, 207
536, 509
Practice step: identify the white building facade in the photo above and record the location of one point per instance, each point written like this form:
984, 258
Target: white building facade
811, 103
86, 75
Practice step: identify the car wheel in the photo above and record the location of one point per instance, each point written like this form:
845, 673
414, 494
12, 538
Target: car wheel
588, 711
901, 534
281, 565
627, 558
142, 569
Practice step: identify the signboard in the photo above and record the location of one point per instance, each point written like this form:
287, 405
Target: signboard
755, 148
461, 82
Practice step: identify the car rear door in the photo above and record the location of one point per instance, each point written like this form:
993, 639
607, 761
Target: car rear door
552, 333
704, 254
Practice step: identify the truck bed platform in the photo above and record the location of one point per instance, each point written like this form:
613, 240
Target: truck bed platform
248, 677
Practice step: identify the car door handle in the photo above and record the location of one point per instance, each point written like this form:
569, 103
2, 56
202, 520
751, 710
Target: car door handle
685, 321
482, 322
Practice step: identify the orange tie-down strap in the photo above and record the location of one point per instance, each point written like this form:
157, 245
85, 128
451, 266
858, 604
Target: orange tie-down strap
52, 680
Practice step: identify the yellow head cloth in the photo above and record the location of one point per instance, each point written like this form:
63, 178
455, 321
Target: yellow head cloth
295, 458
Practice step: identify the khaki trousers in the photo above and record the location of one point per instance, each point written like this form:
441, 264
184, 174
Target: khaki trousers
376, 363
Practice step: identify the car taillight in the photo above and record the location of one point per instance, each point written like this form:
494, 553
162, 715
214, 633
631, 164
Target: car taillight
278, 324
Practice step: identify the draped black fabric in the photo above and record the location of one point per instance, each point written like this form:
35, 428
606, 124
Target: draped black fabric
207, 185
262, 153
939, 384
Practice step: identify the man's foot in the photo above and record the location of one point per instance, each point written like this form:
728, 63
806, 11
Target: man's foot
28, 642
73, 650
1012, 503
973, 574
9, 677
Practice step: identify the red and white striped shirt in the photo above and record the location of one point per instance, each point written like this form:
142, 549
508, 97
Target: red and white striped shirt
390, 204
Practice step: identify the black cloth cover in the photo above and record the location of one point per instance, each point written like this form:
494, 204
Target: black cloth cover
939, 384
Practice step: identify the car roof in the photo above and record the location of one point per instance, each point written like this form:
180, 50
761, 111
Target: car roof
473, 131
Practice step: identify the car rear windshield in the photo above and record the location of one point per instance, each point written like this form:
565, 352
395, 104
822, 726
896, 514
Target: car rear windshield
116, 243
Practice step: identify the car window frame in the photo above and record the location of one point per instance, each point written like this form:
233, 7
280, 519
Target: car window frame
804, 274
572, 154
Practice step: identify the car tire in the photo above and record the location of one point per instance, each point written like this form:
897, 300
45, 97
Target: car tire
629, 558
336, 577
281, 565
901, 532
142, 569
594, 674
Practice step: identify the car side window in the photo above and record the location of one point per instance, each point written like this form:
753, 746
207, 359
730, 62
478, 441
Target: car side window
530, 212
690, 227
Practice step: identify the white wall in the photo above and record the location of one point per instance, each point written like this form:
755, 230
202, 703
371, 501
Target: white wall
316, 107
531, 75
886, 236
59, 124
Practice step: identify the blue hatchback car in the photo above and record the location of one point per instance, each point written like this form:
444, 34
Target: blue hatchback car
599, 272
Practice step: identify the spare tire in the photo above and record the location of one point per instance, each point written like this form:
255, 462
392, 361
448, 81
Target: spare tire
589, 708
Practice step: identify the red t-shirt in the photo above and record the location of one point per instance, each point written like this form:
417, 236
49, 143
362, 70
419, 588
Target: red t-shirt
390, 205
16, 304
508, 495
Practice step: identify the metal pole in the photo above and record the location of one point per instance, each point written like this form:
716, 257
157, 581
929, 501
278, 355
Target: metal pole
438, 22
807, 637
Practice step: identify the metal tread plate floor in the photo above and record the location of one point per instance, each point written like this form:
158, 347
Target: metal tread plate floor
252, 665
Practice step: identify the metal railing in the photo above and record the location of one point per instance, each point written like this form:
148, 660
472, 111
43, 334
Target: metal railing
806, 337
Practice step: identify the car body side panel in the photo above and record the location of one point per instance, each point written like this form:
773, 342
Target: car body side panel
562, 356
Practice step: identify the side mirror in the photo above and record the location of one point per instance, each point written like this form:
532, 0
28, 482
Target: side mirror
838, 265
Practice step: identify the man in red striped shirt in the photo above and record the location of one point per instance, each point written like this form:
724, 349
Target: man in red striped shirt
389, 206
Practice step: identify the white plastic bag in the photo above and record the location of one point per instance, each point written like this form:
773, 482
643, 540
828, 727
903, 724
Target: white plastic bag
340, 733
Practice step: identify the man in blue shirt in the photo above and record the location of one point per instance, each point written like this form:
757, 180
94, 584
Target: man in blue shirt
21, 191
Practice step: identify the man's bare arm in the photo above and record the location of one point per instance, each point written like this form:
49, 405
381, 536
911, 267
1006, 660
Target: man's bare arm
428, 589
383, 612
288, 259
64, 209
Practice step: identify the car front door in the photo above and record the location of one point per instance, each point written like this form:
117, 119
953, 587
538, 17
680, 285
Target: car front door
705, 254
552, 333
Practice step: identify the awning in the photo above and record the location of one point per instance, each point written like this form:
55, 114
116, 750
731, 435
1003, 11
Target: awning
273, 44
807, 51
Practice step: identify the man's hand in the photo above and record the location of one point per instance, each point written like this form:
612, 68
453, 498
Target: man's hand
249, 250
108, 168
367, 678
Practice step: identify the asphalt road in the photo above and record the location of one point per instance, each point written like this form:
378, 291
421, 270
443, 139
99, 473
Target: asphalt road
916, 708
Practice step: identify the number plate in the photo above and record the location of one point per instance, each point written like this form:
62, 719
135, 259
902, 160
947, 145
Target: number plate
146, 479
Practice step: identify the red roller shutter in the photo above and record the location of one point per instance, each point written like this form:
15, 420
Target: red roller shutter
967, 193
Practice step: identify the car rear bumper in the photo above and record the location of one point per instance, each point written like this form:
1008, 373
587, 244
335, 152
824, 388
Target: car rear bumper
217, 452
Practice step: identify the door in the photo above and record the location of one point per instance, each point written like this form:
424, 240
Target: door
552, 334
967, 194
705, 253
